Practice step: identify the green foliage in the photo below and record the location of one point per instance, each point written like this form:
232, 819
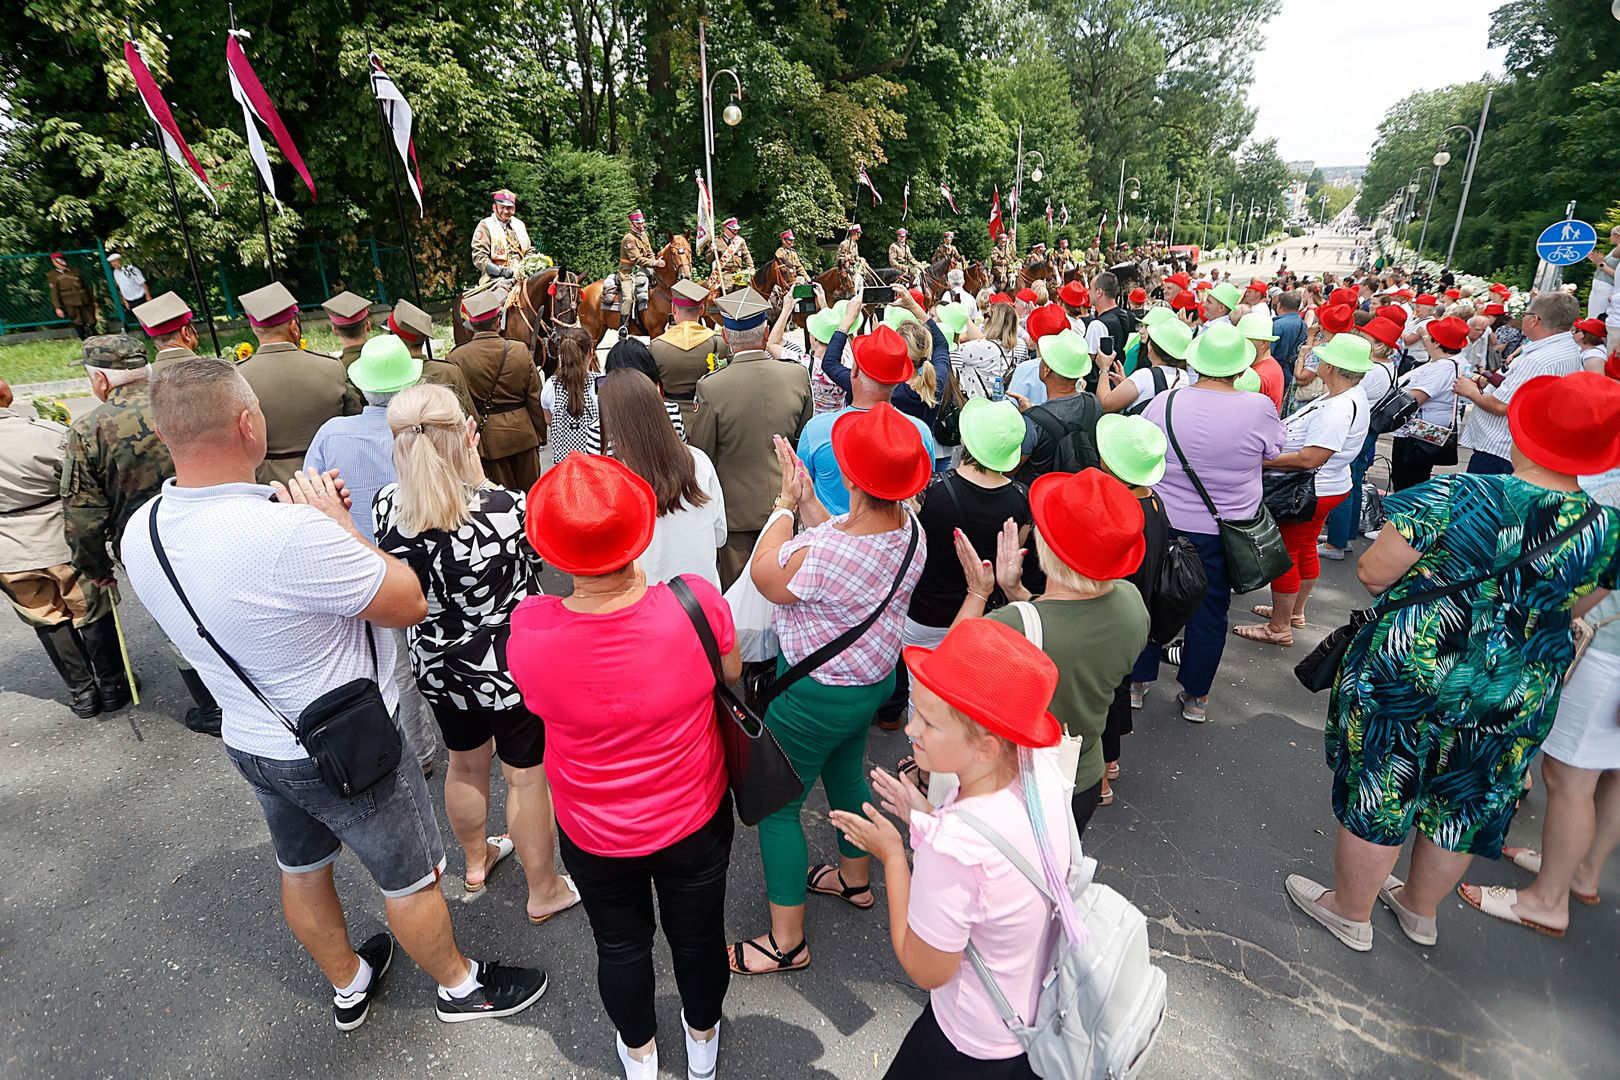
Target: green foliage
577, 205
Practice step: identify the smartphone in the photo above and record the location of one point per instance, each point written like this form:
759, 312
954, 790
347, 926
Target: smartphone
1105, 345
877, 294
804, 292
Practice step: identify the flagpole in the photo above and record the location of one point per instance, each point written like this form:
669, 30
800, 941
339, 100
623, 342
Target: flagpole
389, 151
258, 186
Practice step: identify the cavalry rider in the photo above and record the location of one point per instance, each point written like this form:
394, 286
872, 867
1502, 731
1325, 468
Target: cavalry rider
1002, 257
788, 255
637, 260
947, 250
1036, 256
735, 259
501, 240
849, 255
1063, 258
901, 258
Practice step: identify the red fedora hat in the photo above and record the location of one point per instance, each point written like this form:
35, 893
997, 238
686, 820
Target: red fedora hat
1568, 423
1075, 295
881, 452
1383, 331
1450, 332
590, 515
1046, 320
882, 356
1336, 318
1015, 704
1348, 297
1091, 521
1393, 312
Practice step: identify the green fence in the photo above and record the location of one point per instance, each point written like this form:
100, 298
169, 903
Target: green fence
313, 271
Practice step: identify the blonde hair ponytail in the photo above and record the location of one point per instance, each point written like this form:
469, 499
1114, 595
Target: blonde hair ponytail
436, 467
919, 343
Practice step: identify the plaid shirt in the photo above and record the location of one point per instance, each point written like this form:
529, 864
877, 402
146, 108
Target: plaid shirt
841, 579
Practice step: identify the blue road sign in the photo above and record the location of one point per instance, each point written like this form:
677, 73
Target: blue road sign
1565, 243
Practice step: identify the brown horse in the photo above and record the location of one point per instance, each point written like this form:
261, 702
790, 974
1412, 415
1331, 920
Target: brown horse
934, 280
532, 315
975, 277
1029, 275
836, 285
653, 319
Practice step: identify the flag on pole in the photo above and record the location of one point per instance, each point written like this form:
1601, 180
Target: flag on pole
1012, 203
258, 109
705, 211
397, 114
996, 226
905, 202
946, 192
1063, 213
1048, 213
866, 180
174, 143
1102, 224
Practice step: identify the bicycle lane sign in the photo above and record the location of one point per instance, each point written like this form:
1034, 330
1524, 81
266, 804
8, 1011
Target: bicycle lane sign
1564, 243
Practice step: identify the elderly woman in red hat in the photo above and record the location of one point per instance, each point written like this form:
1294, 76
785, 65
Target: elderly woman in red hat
637, 770
962, 889
1441, 703
843, 586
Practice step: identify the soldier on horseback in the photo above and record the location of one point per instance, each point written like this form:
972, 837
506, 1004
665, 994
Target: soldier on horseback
849, 255
947, 250
788, 256
637, 260
500, 241
1002, 257
901, 258
735, 260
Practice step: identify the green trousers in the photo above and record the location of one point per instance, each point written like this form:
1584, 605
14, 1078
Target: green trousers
822, 729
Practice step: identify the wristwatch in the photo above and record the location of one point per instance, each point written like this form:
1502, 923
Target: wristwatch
782, 502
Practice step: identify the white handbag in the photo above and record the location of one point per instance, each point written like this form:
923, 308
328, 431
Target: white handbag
751, 613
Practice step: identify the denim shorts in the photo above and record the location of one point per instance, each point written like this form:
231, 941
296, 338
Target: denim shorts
390, 828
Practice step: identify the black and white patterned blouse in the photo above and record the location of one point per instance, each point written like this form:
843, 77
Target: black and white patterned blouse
473, 578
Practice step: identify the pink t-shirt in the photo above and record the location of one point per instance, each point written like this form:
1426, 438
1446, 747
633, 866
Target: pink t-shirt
963, 888
632, 751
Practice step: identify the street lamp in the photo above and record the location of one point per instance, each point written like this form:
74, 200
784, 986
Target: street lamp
1209, 211
1018, 181
1119, 200
1475, 137
1231, 209
1175, 212
732, 115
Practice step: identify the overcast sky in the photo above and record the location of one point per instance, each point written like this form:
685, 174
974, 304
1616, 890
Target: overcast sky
1327, 73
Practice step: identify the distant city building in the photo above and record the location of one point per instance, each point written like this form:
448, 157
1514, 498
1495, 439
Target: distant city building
1301, 168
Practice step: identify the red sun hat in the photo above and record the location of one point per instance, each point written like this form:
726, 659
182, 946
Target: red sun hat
1180, 277
1046, 320
1027, 295
1348, 297
1000, 298
1501, 290
1393, 312
1091, 521
1596, 327
1383, 331
1452, 333
590, 515
1453, 294
1186, 300
880, 451
882, 356
1138, 296
1075, 295
1256, 286
1568, 423
1427, 300
1336, 318
1016, 705
1493, 309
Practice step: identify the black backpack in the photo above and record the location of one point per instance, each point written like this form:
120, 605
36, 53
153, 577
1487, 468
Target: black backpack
1076, 441
1161, 383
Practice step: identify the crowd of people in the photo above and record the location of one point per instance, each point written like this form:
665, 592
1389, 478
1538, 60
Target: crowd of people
1063, 487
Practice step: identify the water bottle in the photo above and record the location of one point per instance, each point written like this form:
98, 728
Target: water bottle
997, 393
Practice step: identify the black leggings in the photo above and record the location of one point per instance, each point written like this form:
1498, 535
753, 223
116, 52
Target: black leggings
1084, 803
927, 1054
690, 879
1119, 720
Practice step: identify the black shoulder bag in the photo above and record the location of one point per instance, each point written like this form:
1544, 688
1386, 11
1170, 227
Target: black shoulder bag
1254, 548
1320, 669
348, 731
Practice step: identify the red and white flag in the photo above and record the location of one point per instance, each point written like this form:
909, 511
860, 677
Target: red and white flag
866, 181
1048, 213
174, 143
996, 225
905, 202
1063, 214
1012, 203
258, 109
705, 211
946, 192
397, 114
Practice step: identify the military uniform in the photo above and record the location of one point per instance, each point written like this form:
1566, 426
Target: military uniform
71, 295
160, 317
789, 258
414, 327
849, 257
735, 258
506, 398
949, 251
1001, 259
901, 258
347, 314
498, 246
683, 354
737, 410
636, 260
298, 391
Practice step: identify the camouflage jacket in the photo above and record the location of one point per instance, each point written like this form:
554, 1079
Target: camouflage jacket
114, 463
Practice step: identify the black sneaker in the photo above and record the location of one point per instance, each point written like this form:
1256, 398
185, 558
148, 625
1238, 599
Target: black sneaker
506, 991
351, 1010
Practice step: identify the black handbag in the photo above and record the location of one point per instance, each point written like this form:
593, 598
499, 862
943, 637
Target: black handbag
1290, 495
1393, 410
762, 778
1180, 588
348, 731
1320, 669
1253, 547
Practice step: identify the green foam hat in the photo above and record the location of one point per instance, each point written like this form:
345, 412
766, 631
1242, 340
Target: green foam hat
1173, 336
1256, 326
1065, 353
1226, 294
1347, 352
1220, 352
953, 319
1133, 448
1153, 316
993, 432
385, 365
1248, 382
825, 322
895, 316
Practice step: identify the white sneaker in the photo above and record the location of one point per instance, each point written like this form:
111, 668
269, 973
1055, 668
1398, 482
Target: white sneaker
1328, 551
633, 1069
1370, 534
701, 1057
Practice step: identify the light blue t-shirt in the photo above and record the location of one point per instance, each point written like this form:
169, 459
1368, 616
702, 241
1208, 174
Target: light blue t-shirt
815, 450
362, 447
1026, 380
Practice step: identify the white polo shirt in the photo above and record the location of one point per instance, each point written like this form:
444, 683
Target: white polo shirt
279, 587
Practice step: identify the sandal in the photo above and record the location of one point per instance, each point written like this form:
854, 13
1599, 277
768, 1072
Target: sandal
1263, 632
844, 892
540, 920
1112, 772
1497, 901
1107, 797
1264, 611
907, 768
503, 848
1528, 859
784, 961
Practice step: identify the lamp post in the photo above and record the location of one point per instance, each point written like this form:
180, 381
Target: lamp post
1321, 206
1441, 157
1231, 209
1209, 209
1175, 212
1248, 222
1119, 200
732, 116
1018, 181
1475, 137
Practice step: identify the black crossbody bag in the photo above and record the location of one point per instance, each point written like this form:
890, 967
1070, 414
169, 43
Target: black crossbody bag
1320, 669
348, 731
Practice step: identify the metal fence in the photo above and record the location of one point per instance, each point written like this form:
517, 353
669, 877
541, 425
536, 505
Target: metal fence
313, 271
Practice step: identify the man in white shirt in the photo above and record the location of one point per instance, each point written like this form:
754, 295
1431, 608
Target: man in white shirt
291, 599
1422, 311
1549, 349
131, 282
956, 294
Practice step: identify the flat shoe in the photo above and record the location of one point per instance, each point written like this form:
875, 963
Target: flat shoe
1264, 633
540, 920
1422, 930
1329, 552
1527, 859
503, 848
1264, 611
1112, 771
1497, 901
1307, 894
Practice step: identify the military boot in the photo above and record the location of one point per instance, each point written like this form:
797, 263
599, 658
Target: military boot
62, 646
101, 644
204, 717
